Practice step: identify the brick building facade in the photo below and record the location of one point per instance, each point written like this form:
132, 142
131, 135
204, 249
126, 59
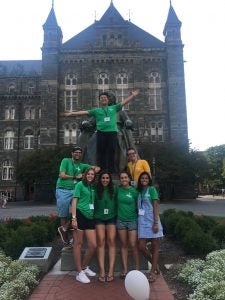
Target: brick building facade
112, 54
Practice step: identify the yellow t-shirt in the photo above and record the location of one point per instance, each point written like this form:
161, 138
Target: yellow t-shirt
137, 167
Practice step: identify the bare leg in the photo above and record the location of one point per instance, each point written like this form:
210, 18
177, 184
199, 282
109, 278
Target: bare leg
155, 254
124, 248
100, 231
133, 244
78, 241
111, 241
92, 245
144, 250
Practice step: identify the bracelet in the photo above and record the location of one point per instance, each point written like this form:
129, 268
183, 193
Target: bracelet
74, 217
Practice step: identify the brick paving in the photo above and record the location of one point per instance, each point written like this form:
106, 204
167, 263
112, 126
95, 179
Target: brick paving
60, 287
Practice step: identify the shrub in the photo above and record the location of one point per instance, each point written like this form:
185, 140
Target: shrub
183, 226
206, 223
218, 233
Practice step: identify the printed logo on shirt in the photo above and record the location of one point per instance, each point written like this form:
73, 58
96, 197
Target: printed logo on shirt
78, 168
129, 195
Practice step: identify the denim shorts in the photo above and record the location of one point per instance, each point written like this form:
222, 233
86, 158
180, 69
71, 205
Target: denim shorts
111, 221
128, 225
63, 202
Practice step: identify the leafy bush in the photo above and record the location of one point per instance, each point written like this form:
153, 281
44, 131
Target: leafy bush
218, 232
206, 222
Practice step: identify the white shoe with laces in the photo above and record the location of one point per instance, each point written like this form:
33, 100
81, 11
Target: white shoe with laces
89, 272
82, 277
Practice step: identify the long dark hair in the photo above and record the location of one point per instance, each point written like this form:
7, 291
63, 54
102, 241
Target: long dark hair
84, 180
139, 185
100, 187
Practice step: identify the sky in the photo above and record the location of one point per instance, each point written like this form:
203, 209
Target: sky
202, 33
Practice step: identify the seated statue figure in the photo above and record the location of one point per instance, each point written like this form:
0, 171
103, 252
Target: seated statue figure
87, 137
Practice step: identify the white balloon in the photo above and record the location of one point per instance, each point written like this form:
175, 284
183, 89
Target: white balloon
137, 285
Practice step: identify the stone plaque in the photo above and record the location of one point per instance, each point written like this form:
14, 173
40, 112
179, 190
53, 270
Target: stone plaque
36, 252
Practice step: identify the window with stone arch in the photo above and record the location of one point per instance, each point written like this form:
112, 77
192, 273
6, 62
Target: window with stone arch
154, 91
9, 138
28, 139
29, 113
71, 93
122, 88
103, 82
10, 113
157, 132
7, 169
70, 134
12, 88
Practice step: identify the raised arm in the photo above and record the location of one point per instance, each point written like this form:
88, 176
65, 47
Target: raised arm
129, 98
75, 113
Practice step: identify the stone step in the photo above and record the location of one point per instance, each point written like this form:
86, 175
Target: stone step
67, 261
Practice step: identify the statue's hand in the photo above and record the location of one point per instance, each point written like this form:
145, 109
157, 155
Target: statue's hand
128, 124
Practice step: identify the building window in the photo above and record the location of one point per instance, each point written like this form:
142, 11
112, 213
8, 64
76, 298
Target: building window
31, 88
71, 93
70, 135
7, 170
10, 113
103, 82
29, 113
12, 88
122, 88
154, 92
156, 132
28, 139
9, 140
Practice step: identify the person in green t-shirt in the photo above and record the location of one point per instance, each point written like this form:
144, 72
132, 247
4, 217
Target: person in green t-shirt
70, 172
127, 220
83, 223
106, 122
149, 224
105, 223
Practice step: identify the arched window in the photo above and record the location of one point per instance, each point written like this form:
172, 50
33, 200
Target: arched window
122, 88
9, 113
70, 134
103, 82
12, 88
154, 92
71, 92
9, 140
29, 113
7, 170
28, 139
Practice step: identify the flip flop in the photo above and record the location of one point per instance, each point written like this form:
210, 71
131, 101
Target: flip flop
101, 279
109, 278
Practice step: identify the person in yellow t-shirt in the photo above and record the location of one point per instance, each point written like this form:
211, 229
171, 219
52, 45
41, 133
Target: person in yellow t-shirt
136, 166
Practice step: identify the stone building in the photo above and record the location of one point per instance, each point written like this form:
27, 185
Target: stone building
111, 54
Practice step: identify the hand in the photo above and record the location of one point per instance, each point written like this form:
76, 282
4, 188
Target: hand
79, 176
135, 92
74, 224
155, 228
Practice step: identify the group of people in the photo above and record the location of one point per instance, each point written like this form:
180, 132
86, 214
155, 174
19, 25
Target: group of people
101, 210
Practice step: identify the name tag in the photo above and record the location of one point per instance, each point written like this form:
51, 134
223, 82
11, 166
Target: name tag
141, 212
133, 183
91, 206
106, 211
106, 119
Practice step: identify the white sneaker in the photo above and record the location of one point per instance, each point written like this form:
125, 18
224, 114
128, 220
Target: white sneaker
89, 272
82, 277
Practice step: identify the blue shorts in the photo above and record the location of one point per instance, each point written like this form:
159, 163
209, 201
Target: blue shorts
111, 221
128, 225
63, 202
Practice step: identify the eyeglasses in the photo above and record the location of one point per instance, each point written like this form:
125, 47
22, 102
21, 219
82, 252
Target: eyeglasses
131, 153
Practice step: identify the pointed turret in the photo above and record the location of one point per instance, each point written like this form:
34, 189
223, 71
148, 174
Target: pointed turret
172, 27
176, 82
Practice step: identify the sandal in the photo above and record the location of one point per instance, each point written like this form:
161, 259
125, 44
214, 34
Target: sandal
101, 278
123, 275
109, 278
152, 277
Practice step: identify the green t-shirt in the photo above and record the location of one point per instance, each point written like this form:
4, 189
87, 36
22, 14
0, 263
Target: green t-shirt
106, 117
105, 208
127, 203
86, 197
73, 169
151, 193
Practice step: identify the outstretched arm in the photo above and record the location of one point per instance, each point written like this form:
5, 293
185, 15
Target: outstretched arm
75, 113
129, 98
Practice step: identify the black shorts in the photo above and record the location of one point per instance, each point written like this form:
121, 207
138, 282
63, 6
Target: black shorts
106, 222
84, 223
